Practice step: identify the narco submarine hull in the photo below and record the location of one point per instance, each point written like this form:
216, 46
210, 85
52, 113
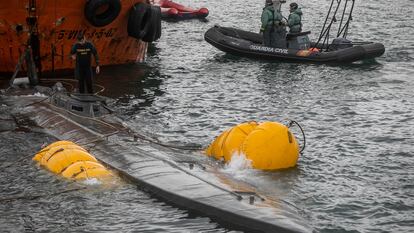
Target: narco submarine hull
168, 174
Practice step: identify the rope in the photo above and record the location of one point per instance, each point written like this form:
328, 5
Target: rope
290, 124
77, 81
18, 67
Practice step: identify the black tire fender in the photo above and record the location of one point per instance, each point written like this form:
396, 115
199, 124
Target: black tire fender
97, 19
139, 21
154, 32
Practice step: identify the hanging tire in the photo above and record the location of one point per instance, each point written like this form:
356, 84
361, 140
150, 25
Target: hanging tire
100, 19
139, 20
144, 22
154, 32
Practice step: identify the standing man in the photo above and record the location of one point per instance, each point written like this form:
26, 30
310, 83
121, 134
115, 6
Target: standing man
295, 18
81, 52
273, 26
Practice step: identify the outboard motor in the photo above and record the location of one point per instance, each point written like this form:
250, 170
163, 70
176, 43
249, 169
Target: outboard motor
298, 40
340, 43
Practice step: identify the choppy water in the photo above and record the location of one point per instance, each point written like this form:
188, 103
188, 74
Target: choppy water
357, 173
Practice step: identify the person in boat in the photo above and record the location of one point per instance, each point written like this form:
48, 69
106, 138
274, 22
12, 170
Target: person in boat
82, 51
295, 18
273, 26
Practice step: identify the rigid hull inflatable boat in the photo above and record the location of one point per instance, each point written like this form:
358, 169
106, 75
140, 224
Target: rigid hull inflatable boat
87, 121
248, 44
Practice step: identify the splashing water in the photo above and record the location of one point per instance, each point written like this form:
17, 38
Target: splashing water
92, 182
238, 162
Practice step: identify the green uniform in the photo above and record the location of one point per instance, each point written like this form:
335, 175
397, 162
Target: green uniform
295, 21
274, 33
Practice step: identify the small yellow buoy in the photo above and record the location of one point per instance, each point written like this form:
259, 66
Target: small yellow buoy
85, 170
41, 153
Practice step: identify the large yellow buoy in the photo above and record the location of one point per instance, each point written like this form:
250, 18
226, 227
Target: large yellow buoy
271, 146
60, 157
236, 137
41, 153
71, 161
86, 170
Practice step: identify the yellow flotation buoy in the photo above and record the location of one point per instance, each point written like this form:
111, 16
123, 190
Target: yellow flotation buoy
86, 170
269, 145
71, 161
216, 148
66, 157
236, 137
41, 153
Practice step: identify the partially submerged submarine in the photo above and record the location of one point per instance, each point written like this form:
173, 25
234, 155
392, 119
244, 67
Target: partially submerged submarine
169, 175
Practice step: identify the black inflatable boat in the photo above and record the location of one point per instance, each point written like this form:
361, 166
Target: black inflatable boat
299, 49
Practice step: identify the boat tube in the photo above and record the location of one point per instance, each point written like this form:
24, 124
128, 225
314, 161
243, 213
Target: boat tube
168, 174
172, 10
299, 49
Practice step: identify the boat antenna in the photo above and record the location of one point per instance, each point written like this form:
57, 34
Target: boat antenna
325, 33
344, 30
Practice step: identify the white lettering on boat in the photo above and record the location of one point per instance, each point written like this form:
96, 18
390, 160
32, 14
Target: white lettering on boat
268, 49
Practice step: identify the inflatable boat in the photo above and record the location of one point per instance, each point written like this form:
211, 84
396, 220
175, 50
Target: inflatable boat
167, 174
298, 49
172, 10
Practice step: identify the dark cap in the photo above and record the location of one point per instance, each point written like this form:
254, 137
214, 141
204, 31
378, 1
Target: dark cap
269, 2
294, 5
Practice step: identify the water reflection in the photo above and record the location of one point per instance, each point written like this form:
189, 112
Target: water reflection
134, 86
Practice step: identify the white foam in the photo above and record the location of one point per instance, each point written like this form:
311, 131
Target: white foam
239, 166
92, 182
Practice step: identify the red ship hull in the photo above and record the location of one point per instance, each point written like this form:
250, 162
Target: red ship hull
59, 23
